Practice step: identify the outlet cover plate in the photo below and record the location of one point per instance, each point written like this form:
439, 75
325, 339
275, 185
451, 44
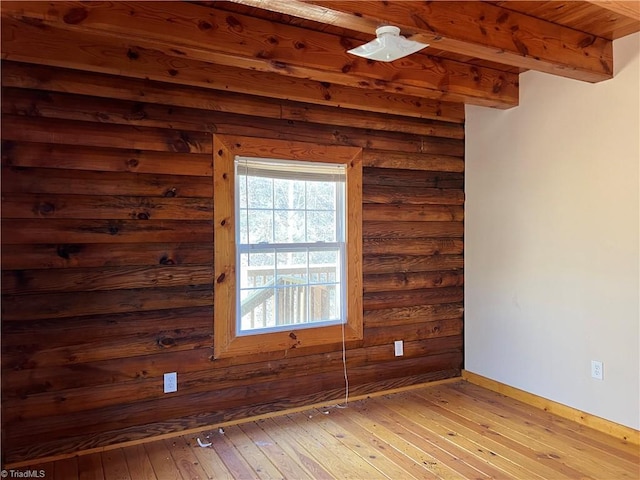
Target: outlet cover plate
597, 371
399, 348
170, 382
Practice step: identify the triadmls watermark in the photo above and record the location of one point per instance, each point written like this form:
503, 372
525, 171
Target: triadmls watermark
22, 473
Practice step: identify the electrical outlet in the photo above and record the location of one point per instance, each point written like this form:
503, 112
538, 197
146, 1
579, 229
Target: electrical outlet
170, 382
597, 370
399, 348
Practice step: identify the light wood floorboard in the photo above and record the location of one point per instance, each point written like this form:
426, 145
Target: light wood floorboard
446, 431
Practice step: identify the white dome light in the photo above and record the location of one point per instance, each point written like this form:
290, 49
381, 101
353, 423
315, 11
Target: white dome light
388, 46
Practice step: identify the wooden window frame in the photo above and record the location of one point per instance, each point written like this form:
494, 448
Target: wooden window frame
226, 342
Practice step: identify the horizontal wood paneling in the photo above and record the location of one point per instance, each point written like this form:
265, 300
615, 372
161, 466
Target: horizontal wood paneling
31, 231
83, 255
82, 399
57, 181
409, 263
167, 113
107, 256
409, 298
101, 134
58, 131
414, 314
58, 378
400, 233
21, 282
215, 405
76, 331
185, 338
411, 281
23, 205
416, 196
408, 110
413, 213
446, 162
406, 177
59, 305
73, 157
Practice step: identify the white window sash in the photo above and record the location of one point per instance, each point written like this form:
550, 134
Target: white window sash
299, 171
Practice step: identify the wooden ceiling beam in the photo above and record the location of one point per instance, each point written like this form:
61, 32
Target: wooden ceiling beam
39, 44
626, 8
472, 28
193, 32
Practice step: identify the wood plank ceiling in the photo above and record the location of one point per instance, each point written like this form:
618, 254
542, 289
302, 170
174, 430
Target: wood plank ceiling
296, 50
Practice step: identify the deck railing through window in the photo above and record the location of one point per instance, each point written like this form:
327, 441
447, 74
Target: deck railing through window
291, 301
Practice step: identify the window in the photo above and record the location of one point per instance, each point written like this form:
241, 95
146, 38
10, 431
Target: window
288, 245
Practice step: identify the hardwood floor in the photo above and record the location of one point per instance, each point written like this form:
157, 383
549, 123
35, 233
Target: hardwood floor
451, 430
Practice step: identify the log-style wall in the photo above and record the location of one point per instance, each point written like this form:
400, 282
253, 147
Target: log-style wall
107, 258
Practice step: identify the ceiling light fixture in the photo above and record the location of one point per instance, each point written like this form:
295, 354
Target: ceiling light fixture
388, 46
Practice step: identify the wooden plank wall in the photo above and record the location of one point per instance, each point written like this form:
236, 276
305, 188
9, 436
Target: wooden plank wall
107, 256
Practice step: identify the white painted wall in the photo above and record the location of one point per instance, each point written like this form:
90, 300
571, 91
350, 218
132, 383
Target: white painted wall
552, 240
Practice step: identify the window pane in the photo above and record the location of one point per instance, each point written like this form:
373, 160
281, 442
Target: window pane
321, 195
262, 259
290, 226
295, 258
322, 303
324, 256
324, 266
321, 226
257, 308
260, 191
256, 270
292, 304
334, 306
244, 228
289, 194
292, 268
242, 192
260, 226
301, 287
